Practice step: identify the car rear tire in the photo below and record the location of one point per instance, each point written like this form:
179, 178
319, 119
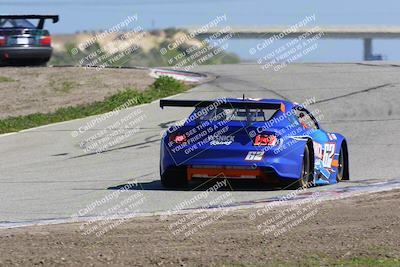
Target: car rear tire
174, 179
342, 165
38, 62
306, 170
25, 62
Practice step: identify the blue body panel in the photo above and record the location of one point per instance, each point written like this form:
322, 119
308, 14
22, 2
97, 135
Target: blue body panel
234, 145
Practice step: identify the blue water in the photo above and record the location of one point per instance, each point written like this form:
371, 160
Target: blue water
78, 15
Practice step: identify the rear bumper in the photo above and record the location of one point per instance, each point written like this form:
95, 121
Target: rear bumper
191, 172
287, 166
20, 53
226, 171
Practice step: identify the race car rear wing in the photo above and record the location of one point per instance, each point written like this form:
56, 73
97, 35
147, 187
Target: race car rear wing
221, 104
41, 18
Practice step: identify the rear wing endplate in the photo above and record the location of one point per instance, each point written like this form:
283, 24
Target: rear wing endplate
221, 104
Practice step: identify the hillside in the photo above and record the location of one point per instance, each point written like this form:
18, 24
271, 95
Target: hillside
136, 48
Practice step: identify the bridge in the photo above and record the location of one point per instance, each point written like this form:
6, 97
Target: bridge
367, 34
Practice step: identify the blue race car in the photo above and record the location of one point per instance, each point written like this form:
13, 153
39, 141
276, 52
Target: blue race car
275, 141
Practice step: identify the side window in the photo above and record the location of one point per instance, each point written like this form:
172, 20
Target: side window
306, 119
293, 119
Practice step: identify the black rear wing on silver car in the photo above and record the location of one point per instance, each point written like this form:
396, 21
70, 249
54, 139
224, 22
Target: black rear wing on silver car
41, 18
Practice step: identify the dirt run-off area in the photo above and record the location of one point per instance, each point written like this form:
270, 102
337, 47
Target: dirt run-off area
26, 90
358, 231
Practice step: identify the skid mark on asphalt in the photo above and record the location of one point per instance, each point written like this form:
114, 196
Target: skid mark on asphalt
354, 93
165, 125
146, 142
247, 85
60, 154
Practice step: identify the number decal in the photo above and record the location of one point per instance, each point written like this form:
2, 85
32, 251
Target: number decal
318, 150
255, 155
329, 153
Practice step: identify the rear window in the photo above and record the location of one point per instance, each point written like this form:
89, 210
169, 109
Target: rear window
16, 23
229, 114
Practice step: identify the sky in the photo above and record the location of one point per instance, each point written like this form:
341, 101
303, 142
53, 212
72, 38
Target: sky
90, 15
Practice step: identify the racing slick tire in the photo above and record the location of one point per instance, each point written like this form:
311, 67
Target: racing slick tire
343, 164
174, 179
38, 62
306, 170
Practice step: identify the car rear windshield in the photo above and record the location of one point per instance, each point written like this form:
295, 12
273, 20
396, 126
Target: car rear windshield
16, 23
236, 114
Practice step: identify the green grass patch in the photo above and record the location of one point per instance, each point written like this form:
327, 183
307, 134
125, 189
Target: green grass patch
67, 86
62, 86
162, 87
4, 79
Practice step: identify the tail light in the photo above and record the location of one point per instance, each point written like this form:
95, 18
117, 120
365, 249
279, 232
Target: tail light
265, 140
178, 138
45, 40
2, 40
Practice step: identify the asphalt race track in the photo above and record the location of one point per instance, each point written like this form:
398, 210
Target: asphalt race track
45, 174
